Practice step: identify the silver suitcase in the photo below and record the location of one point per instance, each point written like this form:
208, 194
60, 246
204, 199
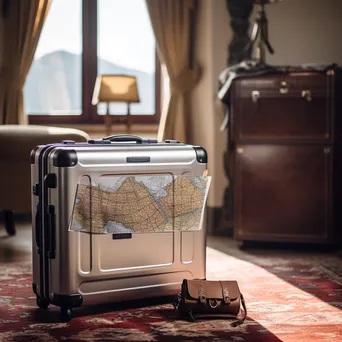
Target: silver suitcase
71, 268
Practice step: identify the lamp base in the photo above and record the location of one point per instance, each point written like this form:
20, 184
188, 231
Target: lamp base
129, 119
108, 124
129, 123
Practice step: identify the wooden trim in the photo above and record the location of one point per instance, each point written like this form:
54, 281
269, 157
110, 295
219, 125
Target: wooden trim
98, 119
54, 119
101, 129
89, 57
92, 61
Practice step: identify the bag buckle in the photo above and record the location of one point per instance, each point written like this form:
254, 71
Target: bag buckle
213, 303
201, 295
226, 297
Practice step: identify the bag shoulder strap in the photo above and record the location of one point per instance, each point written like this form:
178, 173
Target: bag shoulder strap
244, 316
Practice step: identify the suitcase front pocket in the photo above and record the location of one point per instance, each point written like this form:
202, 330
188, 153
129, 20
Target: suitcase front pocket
116, 204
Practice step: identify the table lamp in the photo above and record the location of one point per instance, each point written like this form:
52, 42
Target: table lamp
116, 88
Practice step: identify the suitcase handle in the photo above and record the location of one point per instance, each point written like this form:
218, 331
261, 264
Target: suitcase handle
128, 138
124, 137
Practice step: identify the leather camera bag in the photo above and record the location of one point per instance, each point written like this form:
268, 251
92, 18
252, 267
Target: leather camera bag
211, 299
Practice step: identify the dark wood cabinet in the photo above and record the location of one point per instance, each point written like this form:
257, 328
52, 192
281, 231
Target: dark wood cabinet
283, 192
286, 157
298, 110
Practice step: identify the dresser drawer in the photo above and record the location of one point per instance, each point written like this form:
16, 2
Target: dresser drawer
283, 107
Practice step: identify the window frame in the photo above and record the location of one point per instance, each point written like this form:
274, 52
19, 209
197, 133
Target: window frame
89, 114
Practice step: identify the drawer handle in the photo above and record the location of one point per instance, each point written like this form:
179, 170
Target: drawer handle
307, 95
283, 88
255, 96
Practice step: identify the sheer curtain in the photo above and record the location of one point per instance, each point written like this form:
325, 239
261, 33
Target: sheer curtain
22, 22
172, 22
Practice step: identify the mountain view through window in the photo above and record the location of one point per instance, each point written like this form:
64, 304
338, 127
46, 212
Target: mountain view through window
125, 45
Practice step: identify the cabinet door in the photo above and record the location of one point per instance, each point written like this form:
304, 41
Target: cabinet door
278, 108
283, 193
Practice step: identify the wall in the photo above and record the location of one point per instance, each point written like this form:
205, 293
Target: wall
212, 36
305, 31
301, 31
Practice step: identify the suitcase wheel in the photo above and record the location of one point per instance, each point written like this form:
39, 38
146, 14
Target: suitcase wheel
42, 302
66, 314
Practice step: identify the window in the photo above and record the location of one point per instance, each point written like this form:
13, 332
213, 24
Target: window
85, 38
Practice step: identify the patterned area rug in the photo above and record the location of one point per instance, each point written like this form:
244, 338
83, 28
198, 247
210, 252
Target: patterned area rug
289, 298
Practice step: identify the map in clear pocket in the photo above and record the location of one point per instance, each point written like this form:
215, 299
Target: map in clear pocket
140, 204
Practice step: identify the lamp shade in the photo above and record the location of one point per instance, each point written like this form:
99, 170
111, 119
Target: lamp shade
115, 88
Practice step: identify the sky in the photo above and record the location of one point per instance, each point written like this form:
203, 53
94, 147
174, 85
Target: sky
125, 35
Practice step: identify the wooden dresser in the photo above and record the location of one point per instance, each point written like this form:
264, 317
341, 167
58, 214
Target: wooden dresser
285, 147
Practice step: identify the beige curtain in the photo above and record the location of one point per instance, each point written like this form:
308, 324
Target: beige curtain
172, 22
22, 22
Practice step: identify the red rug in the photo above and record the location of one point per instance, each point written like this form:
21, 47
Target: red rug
288, 299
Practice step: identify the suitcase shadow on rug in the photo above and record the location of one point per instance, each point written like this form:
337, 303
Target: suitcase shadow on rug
156, 316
